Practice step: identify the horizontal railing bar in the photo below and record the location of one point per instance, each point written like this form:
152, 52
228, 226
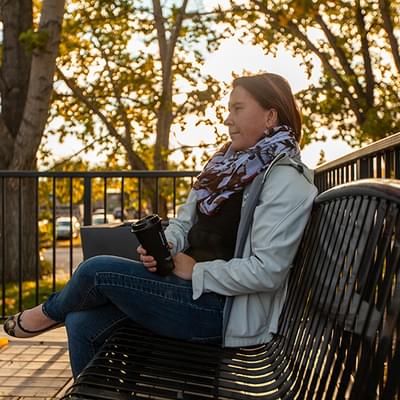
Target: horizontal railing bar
384, 144
100, 174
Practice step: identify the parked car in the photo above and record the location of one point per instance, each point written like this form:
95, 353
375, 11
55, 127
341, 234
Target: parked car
98, 219
63, 227
98, 211
117, 212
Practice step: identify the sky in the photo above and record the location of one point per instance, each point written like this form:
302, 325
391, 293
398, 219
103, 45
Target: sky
233, 56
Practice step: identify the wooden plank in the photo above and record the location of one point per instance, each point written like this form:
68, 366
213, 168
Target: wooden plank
9, 392
32, 350
49, 372
35, 365
64, 389
62, 356
25, 398
32, 382
31, 398
36, 368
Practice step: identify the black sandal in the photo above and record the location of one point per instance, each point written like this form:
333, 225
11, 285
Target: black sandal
13, 327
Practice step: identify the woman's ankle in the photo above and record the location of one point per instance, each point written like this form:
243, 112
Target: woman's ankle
35, 319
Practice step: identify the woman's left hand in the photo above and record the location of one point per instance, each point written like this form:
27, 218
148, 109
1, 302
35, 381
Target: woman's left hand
184, 265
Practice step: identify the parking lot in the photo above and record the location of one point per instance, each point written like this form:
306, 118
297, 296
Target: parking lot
62, 257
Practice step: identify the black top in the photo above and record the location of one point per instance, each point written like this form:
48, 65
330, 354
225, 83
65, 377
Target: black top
214, 237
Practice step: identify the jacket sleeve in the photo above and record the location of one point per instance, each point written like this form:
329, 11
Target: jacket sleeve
277, 228
178, 228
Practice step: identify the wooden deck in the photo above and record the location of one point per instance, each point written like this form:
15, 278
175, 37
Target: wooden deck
34, 369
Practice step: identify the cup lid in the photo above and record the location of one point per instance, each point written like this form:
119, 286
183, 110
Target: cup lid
145, 223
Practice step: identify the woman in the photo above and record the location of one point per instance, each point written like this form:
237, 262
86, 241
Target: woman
212, 295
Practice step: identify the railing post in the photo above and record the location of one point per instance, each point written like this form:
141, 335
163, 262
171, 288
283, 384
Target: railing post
362, 168
87, 201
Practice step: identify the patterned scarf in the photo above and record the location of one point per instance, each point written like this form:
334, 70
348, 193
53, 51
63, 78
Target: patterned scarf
228, 172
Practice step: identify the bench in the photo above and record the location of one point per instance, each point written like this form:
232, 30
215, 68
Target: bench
338, 335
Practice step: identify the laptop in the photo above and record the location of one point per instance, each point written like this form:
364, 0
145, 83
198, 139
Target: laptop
109, 239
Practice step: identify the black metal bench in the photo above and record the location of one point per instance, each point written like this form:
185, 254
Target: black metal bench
339, 331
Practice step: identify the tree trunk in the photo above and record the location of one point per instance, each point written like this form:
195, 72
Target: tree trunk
24, 115
16, 63
164, 122
40, 87
165, 115
20, 228
162, 144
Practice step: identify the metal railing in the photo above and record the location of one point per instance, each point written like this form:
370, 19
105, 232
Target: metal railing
380, 159
33, 204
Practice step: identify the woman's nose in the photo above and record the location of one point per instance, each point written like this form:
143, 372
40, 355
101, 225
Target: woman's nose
228, 120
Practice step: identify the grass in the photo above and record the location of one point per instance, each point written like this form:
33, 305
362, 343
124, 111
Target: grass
12, 305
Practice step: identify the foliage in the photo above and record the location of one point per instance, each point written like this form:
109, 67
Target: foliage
358, 93
112, 74
32, 39
28, 294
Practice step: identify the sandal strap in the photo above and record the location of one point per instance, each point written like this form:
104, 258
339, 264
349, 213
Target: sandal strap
18, 323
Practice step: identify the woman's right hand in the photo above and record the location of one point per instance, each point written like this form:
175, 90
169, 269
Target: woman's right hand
148, 261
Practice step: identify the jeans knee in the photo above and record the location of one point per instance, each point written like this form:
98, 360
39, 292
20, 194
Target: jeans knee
88, 268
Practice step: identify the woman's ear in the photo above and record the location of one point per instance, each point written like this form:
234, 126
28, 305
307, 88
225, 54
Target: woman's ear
271, 118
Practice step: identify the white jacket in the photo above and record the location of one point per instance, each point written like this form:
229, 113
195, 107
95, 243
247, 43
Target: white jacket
254, 282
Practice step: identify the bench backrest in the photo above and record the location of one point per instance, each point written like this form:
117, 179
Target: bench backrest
340, 327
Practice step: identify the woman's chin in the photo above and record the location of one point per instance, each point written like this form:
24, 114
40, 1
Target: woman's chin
237, 146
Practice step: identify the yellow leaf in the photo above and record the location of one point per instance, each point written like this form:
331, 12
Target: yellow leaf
9, 301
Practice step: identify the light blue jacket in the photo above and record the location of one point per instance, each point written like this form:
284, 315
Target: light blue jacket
255, 281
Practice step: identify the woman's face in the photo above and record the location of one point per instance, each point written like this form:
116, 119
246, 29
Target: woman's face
247, 120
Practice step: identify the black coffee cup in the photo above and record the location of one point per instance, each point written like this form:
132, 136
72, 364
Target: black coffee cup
150, 235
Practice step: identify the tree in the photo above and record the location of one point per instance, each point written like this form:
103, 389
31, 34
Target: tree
26, 77
358, 93
123, 64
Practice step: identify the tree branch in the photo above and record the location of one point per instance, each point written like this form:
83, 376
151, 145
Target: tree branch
134, 160
172, 41
82, 150
384, 7
340, 55
295, 31
369, 75
159, 21
121, 108
76, 90
178, 25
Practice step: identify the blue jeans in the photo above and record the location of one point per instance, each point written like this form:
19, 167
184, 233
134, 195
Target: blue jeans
107, 291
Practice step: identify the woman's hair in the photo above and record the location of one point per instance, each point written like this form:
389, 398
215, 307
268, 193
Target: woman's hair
273, 91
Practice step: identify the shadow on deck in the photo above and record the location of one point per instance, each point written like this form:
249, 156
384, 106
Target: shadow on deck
35, 369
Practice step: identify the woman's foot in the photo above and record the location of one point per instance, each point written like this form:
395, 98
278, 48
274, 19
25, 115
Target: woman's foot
29, 323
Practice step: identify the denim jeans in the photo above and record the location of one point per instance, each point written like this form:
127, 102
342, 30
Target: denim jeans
106, 291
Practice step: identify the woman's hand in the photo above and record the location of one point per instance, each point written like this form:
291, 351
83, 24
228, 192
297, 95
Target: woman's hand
184, 265
148, 261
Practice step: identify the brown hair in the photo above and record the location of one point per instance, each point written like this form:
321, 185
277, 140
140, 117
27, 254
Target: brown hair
273, 91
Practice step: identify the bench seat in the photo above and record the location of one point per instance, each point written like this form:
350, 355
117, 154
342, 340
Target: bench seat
338, 335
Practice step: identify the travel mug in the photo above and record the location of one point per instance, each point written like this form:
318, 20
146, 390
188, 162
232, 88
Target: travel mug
150, 235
